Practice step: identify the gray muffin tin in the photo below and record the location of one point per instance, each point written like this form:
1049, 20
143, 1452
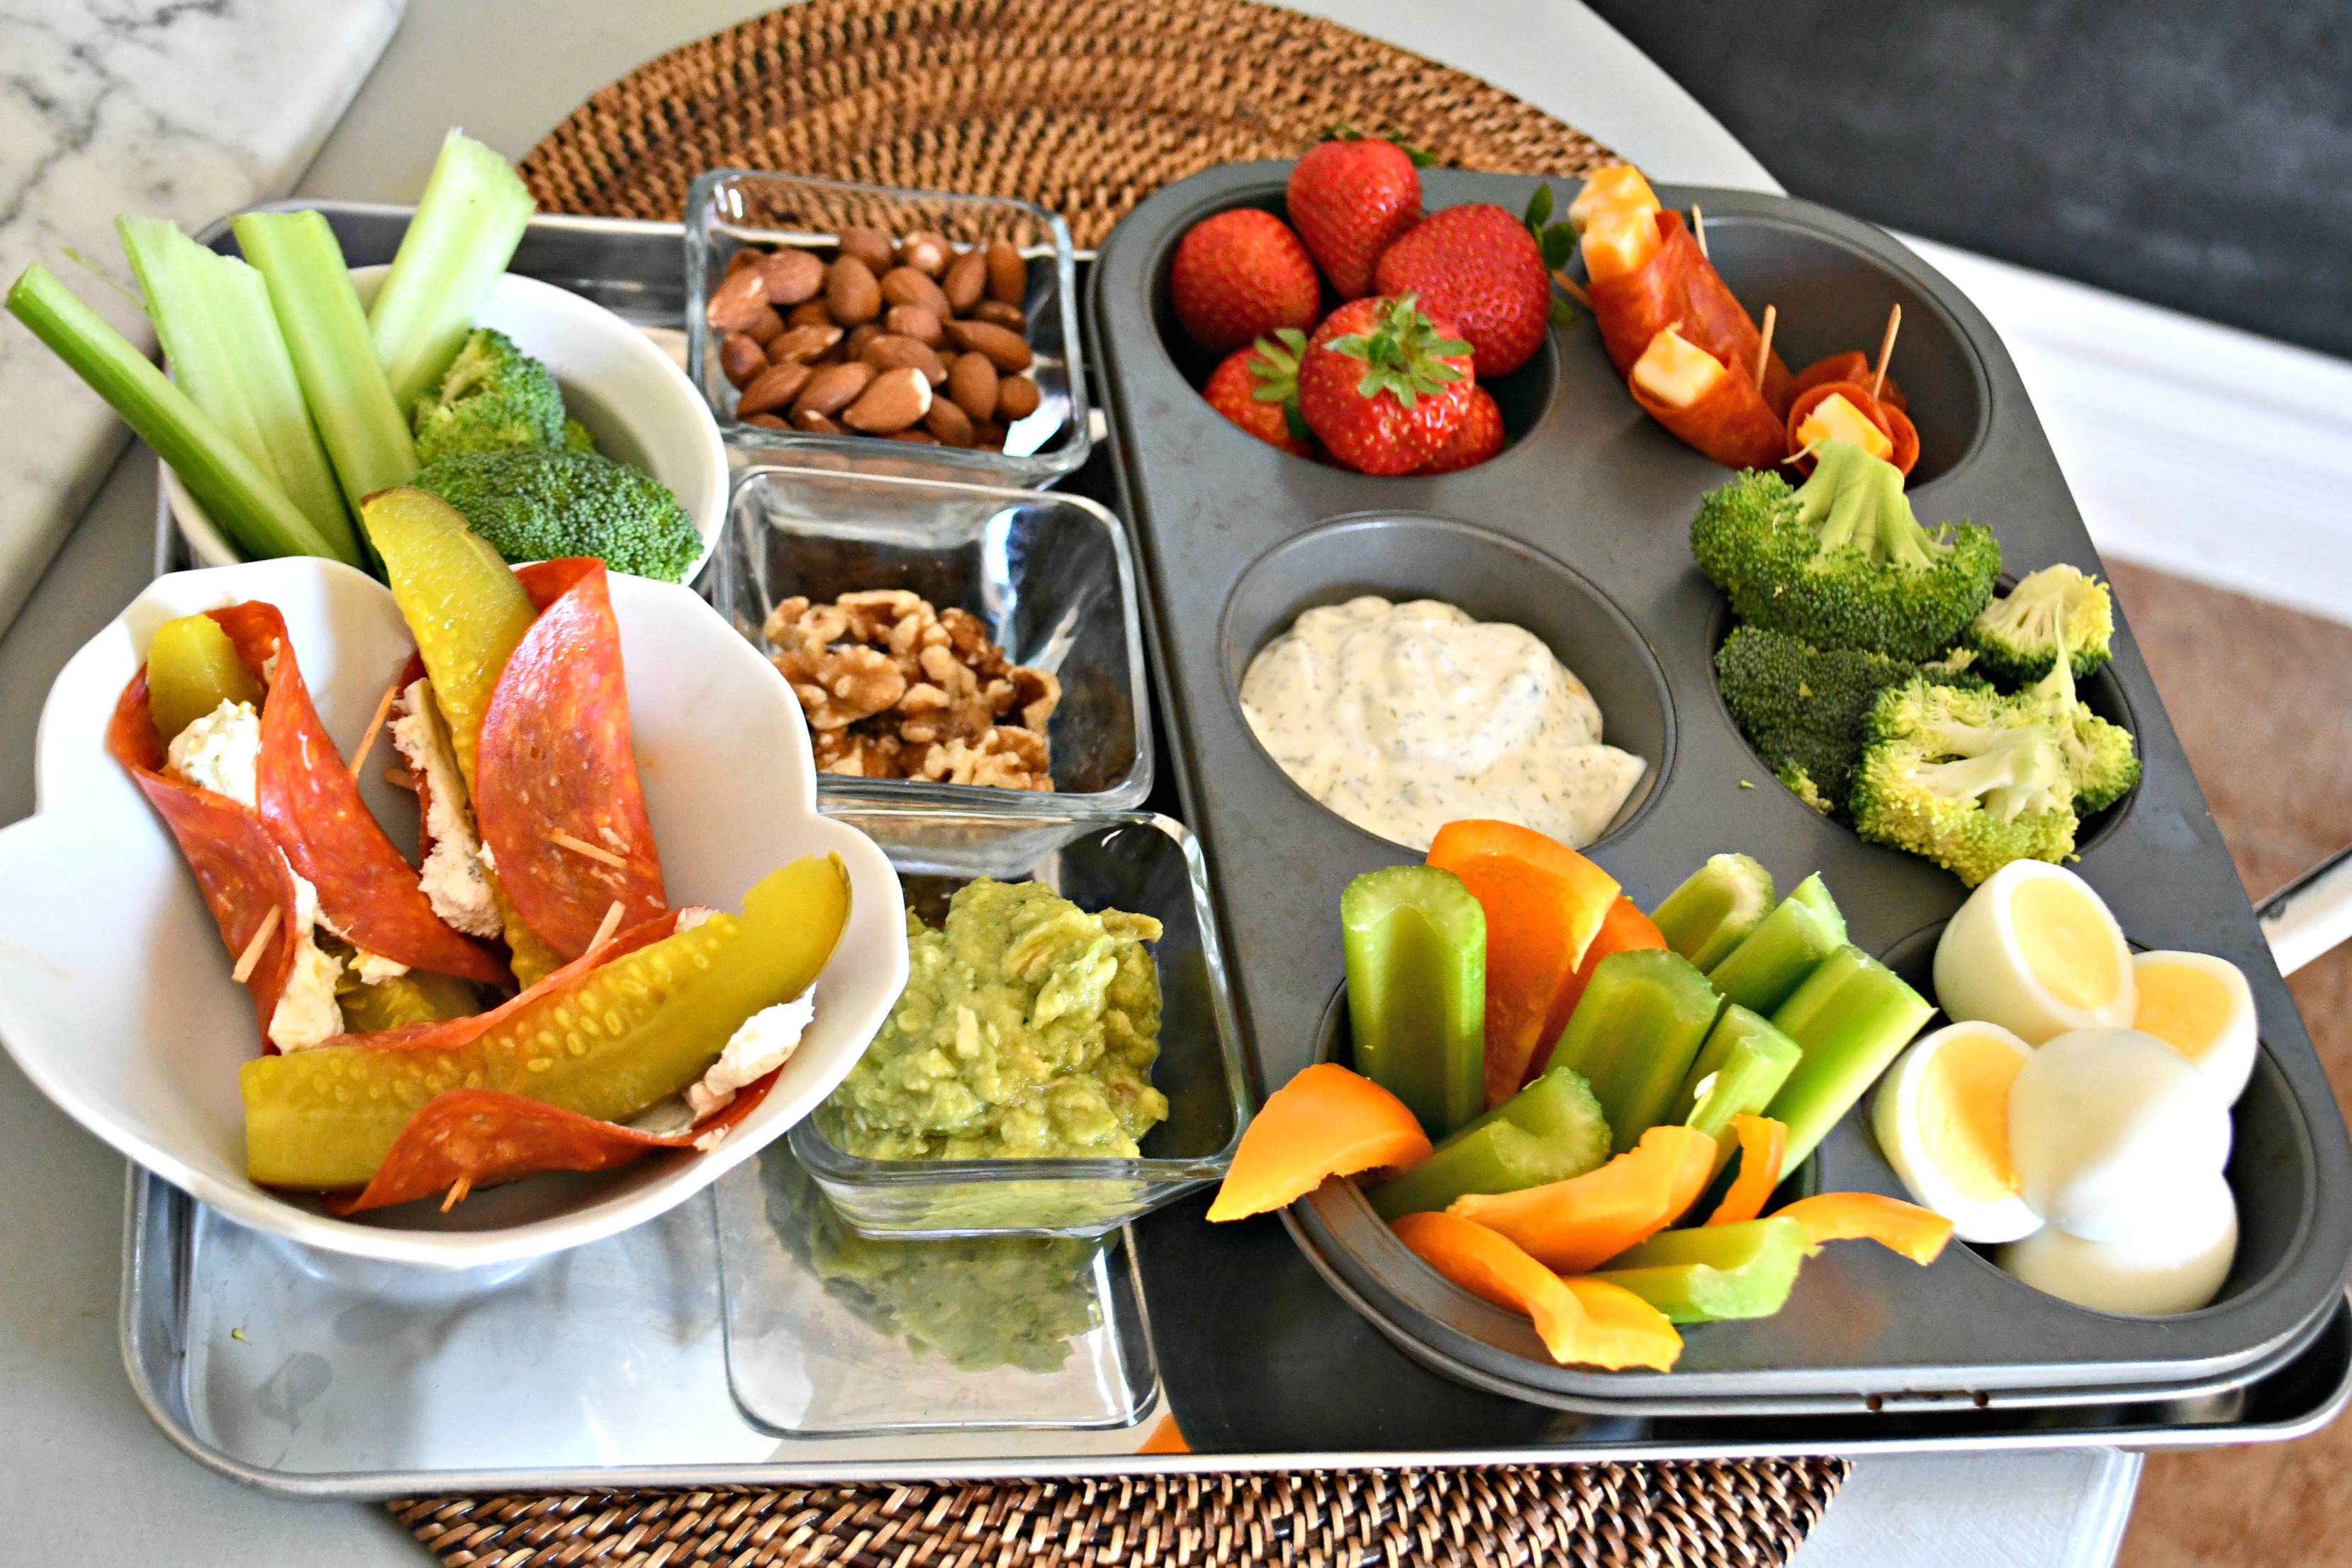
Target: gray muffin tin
1580, 530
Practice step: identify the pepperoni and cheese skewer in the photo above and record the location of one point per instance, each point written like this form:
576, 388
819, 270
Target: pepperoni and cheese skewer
1845, 411
1711, 407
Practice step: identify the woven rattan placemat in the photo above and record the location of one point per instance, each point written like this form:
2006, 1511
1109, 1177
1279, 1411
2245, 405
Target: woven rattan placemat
1082, 106
1666, 1515
1087, 106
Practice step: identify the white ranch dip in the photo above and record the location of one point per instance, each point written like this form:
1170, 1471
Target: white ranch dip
1403, 718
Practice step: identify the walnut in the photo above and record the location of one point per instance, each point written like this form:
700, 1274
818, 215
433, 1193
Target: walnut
1036, 693
1004, 757
970, 640
837, 686
853, 754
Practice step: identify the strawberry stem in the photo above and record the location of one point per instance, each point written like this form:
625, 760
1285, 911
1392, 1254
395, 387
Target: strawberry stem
1403, 353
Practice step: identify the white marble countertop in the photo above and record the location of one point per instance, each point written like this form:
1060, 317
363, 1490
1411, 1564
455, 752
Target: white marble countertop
73, 1429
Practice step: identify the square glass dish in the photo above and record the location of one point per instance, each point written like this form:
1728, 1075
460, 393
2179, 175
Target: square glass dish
1050, 575
834, 1335
1140, 863
728, 209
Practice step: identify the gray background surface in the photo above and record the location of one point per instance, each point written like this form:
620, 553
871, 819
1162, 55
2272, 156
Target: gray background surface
2195, 153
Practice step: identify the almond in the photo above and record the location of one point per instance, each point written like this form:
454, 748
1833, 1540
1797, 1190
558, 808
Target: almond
1008, 275
988, 433
870, 246
809, 313
850, 295
816, 424
893, 400
1016, 398
905, 285
998, 313
773, 388
915, 321
951, 423
803, 343
918, 437
793, 275
925, 252
1005, 350
832, 389
854, 345
972, 382
750, 256
736, 304
966, 280
889, 351
767, 422
765, 330
739, 358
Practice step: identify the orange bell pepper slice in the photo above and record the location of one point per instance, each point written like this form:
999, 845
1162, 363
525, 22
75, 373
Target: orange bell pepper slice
1762, 1143
1579, 1224
1917, 1234
1545, 903
1624, 928
1580, 1320
1327, 1121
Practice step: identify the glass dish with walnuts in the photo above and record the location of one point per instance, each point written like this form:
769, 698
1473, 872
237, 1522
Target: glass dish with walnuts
895, 687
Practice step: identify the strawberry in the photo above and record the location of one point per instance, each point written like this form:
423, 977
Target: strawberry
1239, 276
1478, 265
1384, 384
1478, 437
1257, 389
1350, 200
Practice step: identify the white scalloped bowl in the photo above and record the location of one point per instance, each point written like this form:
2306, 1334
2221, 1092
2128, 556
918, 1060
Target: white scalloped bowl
632, 397
115, 997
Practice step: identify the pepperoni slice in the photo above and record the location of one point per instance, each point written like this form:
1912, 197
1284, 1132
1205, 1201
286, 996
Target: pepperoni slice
484, 1137
236, 863
1679, 288
311, 803
1852, 365
1732, 423
555, 781
1893, 423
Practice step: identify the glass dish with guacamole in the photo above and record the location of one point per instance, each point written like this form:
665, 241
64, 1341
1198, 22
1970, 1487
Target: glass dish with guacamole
1063, 1059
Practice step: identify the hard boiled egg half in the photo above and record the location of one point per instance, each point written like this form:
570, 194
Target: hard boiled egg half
1942, 1120
2176, 1266
2201, 1007
2108, 1128
2035, 950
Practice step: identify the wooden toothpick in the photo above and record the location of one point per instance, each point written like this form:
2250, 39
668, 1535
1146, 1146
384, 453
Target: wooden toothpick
607, 926
562, 840
1698, 231
1575, 289
457, 1194
1764, 343
375, 727
1886, 349
250, 959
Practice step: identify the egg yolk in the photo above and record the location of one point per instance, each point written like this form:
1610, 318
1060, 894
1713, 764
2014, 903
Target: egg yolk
2185, 1007
2065, 942
1964, 1116
1835, 419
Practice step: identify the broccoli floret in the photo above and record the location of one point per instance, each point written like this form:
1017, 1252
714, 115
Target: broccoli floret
2018, 635
1804, 708
1841, 560
576, 437
1964, 776
493, 398
536, 505
2100, 761
1801, 785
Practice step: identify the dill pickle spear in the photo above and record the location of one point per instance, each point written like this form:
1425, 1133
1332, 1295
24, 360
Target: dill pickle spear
193, 669
633, 1033
461, 602
419, 997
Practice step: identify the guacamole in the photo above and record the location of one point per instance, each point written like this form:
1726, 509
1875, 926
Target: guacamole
1027, 1030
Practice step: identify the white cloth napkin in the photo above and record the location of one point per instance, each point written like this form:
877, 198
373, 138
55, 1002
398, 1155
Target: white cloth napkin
112, 107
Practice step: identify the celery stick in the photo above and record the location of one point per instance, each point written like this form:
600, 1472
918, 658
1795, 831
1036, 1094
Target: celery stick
1415, 943
327, 334
1764, 970
240, 496
212, 314
465, 232
1748, 1060
1715, 909
1633, 1035
1851, 1017
1710, 1273
1549, 1132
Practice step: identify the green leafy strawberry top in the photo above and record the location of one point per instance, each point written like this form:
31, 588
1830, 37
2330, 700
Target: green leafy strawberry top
1403, 353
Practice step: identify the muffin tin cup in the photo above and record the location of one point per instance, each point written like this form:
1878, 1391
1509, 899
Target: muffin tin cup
729, 209
1591, 489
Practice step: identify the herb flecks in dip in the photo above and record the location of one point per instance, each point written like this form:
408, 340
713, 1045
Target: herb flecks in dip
1403, 718
1027, 1029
